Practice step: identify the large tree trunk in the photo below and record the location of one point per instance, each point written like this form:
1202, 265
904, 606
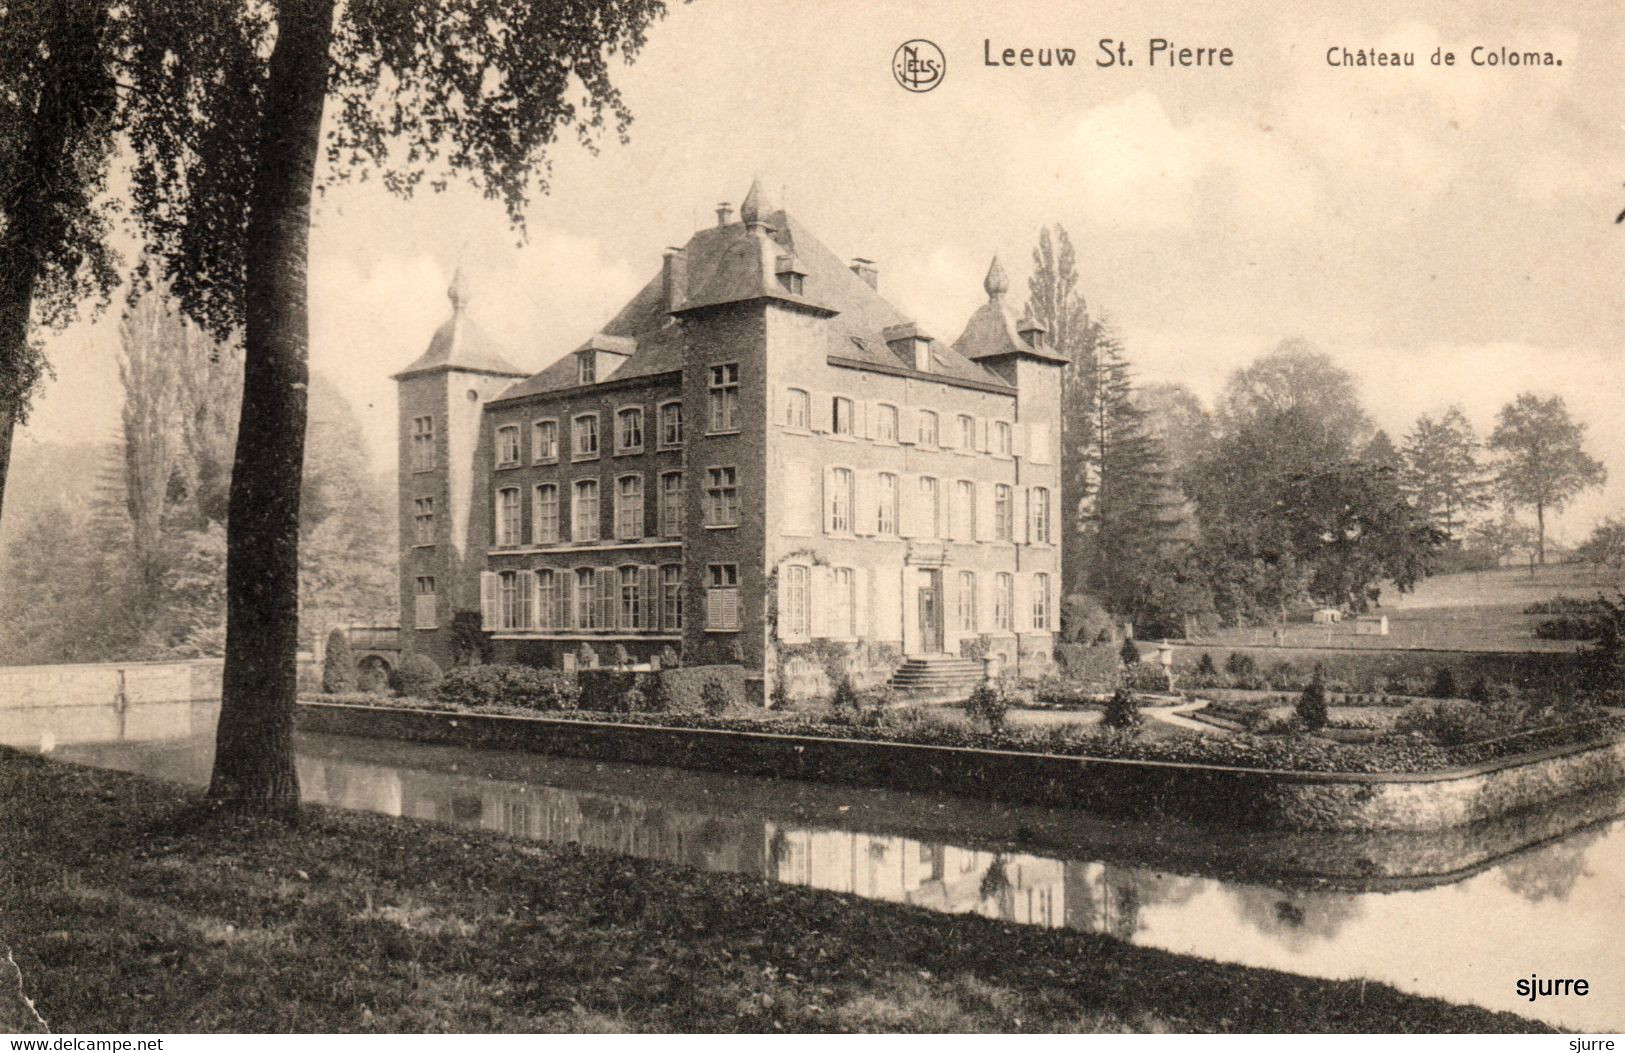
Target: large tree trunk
253, 764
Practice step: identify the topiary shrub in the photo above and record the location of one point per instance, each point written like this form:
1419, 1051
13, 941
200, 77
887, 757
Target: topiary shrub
1480, 692
1129, 654
338, 665
988, 705
417, 676
1122, 712
1444, 684
1205, 666
714, 698
508, 685
1240, 664
844, 702
1311, 708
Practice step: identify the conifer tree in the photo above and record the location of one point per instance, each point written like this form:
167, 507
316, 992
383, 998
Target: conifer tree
1442, 472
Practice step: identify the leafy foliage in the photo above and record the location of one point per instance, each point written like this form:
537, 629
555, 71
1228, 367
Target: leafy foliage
1122, 712
988, 705
418, 675
1543, 462
1443, 474
1311, 708
508, 685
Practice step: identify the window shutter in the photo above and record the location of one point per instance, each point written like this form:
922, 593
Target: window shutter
984, 512
649, 596
818, 597
1022, 616
784, 601
490, 600
1018, 440
983, 435
860, 418
887, 593
860, 602
822, 417
948, 431
828, 504
908, 425
1020, 515
987, 587
1038, 443
526, 594
866, 510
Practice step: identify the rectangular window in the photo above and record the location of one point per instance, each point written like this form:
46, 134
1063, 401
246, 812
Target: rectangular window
507, 525
629, 507
586, 367
723, 389
797, 604
843, 605
547, 599
967, 433
423, 444
1039, 514
584, 437
840, 501
1003, 524
584, 511
515, 596
965, 510
544, 441
586, 610
722, 497
930, 507
796, 409
886, 492
423, 520
671, 425
842, 410
885, 423
722, 596
1004, 601
1001, 438
507, 446
629, 430
671, 504
928, 428
423, 603
544, 515
967, 601
1041, 607
671, 596
631, 600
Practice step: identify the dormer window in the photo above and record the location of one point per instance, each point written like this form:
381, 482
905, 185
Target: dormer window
791, 276
586, 368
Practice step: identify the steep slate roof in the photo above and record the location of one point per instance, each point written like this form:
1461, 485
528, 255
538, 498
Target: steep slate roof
994, 331
460, 343
738, 262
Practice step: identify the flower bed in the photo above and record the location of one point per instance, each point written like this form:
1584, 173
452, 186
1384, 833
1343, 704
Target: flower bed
914, 726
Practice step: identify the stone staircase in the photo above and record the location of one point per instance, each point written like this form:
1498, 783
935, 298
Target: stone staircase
938, 675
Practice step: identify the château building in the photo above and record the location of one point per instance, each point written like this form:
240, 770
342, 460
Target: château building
758, 458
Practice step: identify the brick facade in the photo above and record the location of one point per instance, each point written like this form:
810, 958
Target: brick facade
817, 424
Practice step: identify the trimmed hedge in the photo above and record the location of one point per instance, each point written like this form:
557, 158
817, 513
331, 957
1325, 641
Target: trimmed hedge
522, 686
1096, 664
418, 674
679, 690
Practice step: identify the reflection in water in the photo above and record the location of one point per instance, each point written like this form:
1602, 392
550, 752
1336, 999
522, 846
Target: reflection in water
1547, 910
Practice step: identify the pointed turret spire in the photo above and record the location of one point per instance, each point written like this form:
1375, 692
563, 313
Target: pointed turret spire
996, 283
755, 207
459, 292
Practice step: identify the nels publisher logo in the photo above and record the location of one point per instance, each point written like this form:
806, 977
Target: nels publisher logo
919, 65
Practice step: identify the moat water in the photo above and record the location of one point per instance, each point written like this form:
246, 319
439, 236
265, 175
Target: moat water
1461, 917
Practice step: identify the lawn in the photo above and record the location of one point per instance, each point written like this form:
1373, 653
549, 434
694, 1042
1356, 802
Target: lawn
129, 908
1471, 611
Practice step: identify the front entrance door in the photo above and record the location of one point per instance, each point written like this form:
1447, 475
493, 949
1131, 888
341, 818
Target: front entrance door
931, 613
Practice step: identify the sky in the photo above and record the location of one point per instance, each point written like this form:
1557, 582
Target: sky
1444, 233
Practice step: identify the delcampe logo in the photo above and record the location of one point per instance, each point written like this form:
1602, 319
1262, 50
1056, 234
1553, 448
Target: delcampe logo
919, 65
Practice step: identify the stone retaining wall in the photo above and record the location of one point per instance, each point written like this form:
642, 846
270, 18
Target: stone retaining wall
98, 684
1204, 793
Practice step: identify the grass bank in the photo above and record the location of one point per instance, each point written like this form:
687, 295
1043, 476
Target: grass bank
129, 909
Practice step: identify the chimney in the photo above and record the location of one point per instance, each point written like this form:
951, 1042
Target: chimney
1032, 331
674, 279
867, 270
725, 214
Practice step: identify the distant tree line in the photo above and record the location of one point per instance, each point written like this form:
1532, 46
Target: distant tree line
138, 570
1177, 517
